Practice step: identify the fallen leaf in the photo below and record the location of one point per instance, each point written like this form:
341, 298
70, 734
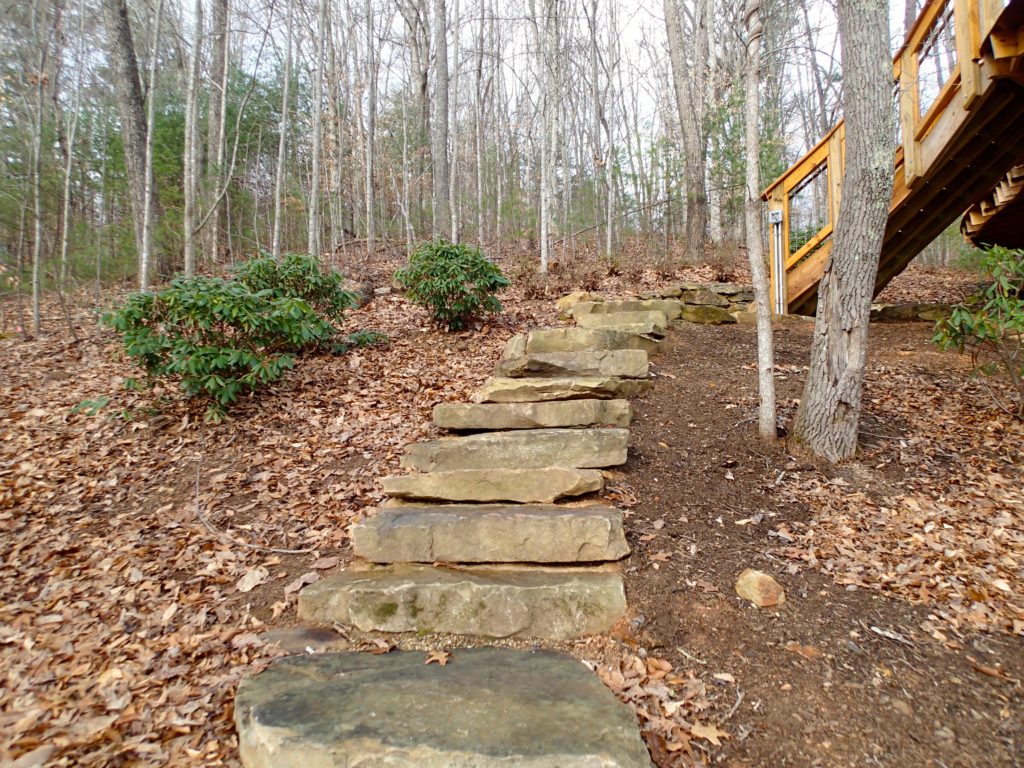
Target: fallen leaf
252, 579
441, 657
708, 733
807, 651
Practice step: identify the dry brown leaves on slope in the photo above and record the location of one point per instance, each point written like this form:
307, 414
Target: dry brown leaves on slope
129, 604
950, 534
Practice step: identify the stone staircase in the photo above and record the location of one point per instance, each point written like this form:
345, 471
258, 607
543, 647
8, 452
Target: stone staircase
473, 543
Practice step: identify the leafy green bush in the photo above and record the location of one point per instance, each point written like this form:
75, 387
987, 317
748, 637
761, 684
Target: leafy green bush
217, 337
990, 326
297, 276
454, 282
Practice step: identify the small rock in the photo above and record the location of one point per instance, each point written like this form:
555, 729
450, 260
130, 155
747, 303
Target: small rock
382, 291
760, 589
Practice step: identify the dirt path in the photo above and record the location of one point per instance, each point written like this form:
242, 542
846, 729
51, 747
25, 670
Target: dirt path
838, 676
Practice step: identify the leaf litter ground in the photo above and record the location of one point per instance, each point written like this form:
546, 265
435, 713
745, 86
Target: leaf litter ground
146, 552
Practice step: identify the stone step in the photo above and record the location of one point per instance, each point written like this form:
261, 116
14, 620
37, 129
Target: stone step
657, 322
555, 413
576, 340
486, 708
487, 602
502, 390
524, 486
491, 533
704, 297
670, 307
707, 315
622, 363
584, 448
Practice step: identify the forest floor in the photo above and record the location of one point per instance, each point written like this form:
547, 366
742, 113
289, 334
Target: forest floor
146, 552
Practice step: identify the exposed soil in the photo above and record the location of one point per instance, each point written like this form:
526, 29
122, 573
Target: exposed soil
860, 684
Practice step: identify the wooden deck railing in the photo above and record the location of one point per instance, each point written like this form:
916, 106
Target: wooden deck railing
954, 57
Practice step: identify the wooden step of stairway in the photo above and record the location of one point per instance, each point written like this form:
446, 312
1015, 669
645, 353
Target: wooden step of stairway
491, 533
551, 414
487, 602
524, 449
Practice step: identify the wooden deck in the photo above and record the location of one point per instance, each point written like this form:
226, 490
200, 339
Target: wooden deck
959, 82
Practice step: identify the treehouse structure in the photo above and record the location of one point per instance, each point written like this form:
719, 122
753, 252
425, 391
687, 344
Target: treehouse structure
959, 91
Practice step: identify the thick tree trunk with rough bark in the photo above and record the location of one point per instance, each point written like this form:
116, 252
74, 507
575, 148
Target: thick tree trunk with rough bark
131, 106
689, 83
754, 228
829, 415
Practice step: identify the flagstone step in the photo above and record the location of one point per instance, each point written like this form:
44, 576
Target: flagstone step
491, 533
525, 486
535, 448
485, 708
555, 413
651, 322
502, 390
622, 363
576, 340
488, 602
670, 307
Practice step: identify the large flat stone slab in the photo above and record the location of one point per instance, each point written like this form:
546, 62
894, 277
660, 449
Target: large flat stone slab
524, 486
487, 602
656, 321
486, 708
555, 413
706, 314
587, 448
576, 340
503, 390
671, 308
623, 363
491, 533
704, 297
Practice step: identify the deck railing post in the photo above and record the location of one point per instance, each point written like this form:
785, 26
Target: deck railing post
778, 265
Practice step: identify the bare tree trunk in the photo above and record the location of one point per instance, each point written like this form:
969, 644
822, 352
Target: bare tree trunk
754, 227
131, 106
145, 257
282, 142
191, 140
439, 122
313, 233
828, 419
217, 124
39, 15
453, 127
69, 163
690, 93
371, 127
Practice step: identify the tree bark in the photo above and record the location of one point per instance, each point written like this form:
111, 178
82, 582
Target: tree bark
149, 188
191, 142
828, 419
690, 92
371, 128
216, 132
754, 227
282, 142
439, 123
131, 106
313, 226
